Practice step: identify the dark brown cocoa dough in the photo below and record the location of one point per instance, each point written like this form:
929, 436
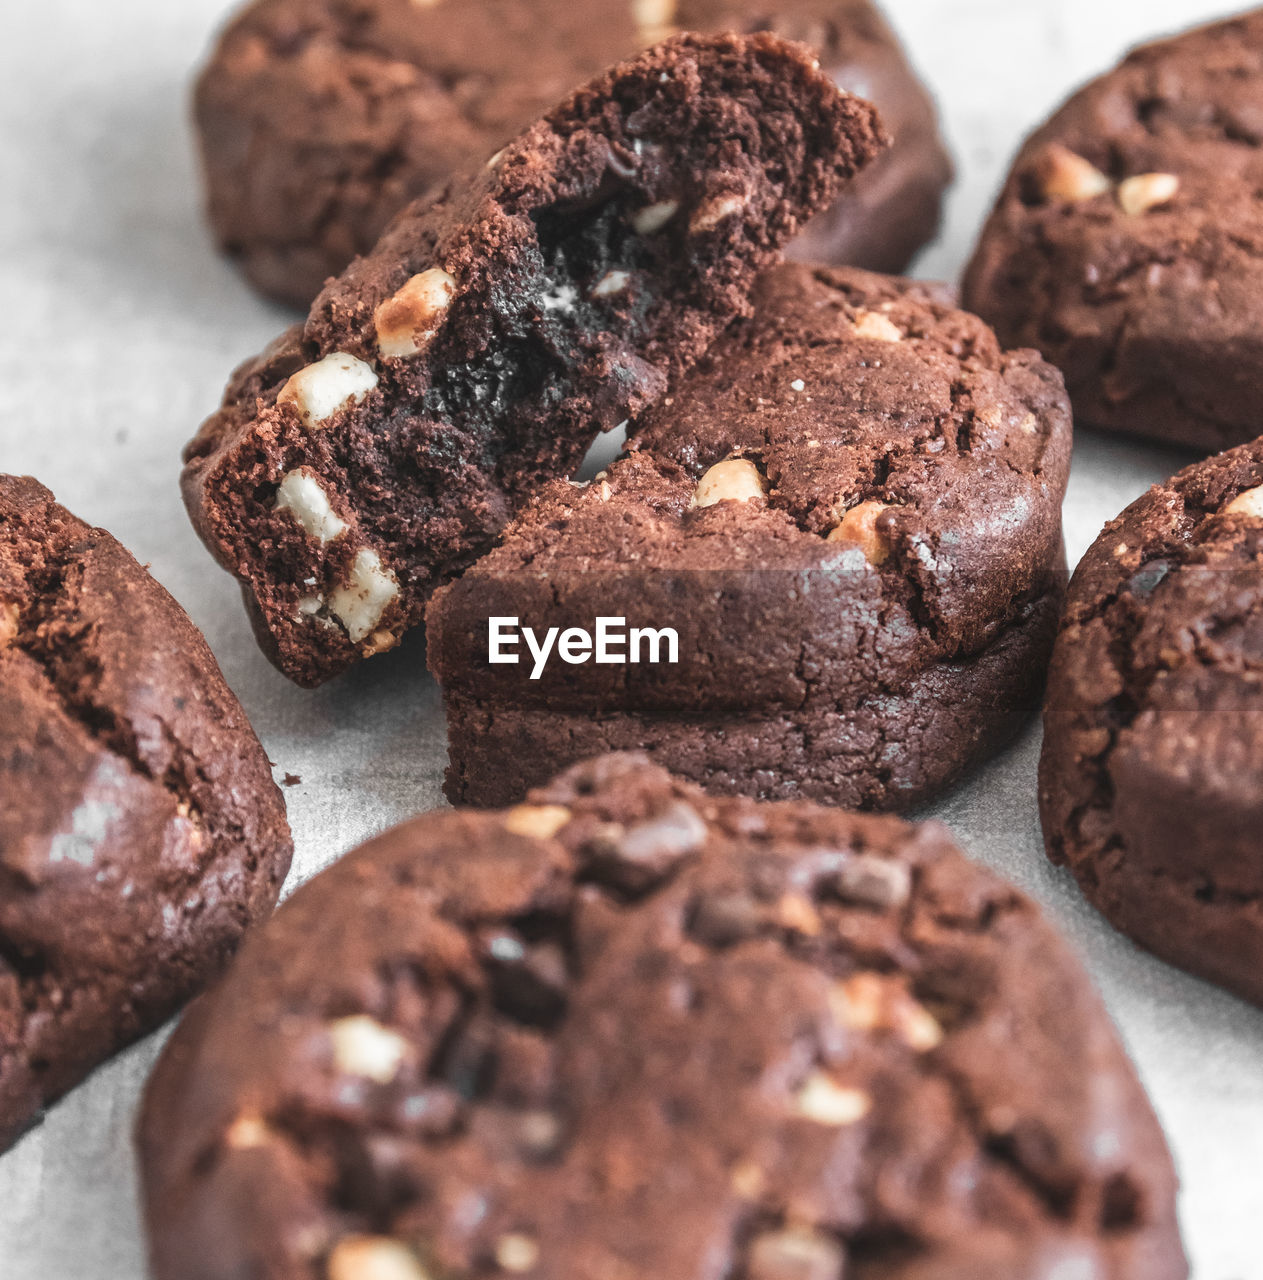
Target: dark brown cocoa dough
1150, 777
631, 1029
1127, 245
497, 328
320, 119
867, 615
140, 829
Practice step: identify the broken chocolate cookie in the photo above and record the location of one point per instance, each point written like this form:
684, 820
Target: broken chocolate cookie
849, 514
496, 328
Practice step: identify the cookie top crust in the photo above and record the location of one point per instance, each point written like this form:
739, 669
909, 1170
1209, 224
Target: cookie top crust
1128, 242
320, 119
497, 327
628, 1028
859, 466
1154, 720
140, 829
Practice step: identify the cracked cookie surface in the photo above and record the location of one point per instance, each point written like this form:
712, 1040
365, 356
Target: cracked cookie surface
850, 512
1127, 245
1149, 781
498, 327
140, 829
630, 1029
320, 119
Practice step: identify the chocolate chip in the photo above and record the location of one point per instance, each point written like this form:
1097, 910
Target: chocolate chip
636, 858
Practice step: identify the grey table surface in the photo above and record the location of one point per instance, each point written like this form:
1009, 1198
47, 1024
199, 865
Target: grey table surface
118, 327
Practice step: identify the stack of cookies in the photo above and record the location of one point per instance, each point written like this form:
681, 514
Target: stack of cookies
658, 999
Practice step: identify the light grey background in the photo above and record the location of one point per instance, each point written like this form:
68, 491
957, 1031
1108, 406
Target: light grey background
118, 327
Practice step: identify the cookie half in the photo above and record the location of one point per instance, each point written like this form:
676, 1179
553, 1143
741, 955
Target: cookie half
495, 329
140, 829
1150, 778
627, 1028
320, 121
1123, 245
849, 513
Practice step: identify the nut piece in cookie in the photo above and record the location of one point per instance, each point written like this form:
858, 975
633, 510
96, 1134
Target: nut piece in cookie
1248, 503
876, 327
613, 1080
1062, 175
859, 527
1146, 191
733, 480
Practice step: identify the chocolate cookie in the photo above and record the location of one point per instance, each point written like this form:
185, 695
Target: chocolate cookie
627, 1029
1150, 778
140, 830
495, 329
1125, 245
849, 513
320, 119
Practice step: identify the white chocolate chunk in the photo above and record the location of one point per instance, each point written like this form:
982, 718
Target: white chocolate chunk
321, 389
9, 615
358, 604
733, 480
825, 1101
408, 322
795, 1253
516, 1252
363, 1047
610, 283
541, 821
876, 327
653, 217
1248, 503
303, 496
1136, 196
710, 213
561, 298
1064, 175
374, 1258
